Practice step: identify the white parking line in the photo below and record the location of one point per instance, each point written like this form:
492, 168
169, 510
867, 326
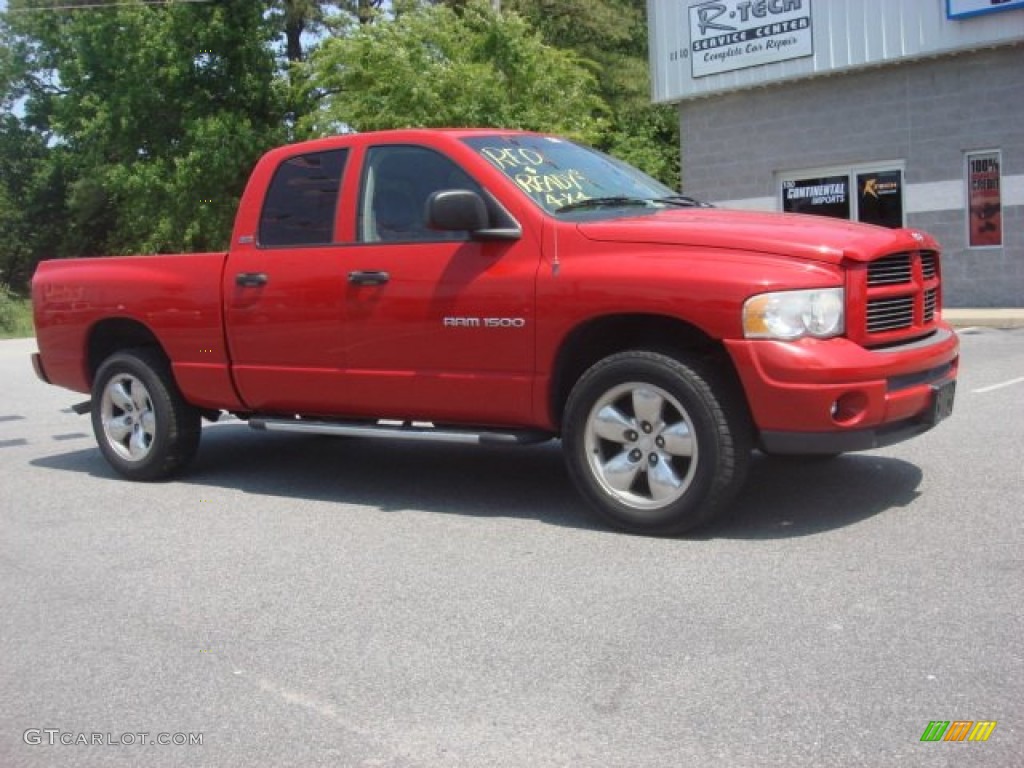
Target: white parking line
994, 387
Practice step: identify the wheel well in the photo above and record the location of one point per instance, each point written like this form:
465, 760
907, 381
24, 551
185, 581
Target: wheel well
599, 338
113, 335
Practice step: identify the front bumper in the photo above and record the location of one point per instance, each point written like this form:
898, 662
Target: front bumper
829, 396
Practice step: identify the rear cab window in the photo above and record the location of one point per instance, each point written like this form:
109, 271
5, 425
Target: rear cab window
302, 200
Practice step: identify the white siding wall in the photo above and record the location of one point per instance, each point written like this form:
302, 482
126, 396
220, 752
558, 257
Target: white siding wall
848, 34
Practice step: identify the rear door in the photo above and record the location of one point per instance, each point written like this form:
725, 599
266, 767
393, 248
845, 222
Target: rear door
285, 290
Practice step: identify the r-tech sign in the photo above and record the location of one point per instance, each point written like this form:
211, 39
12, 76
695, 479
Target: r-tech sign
733, 34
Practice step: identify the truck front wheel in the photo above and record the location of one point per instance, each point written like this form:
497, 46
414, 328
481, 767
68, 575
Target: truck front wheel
143, 426
655, 444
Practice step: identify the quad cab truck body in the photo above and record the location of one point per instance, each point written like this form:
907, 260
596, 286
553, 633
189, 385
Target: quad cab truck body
509, 287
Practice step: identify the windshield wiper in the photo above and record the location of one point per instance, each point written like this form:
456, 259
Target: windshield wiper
683, 201
598, 202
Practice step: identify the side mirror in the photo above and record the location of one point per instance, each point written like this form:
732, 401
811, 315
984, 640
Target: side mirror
456, 210
462, 210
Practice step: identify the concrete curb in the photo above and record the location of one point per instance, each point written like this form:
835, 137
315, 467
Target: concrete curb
984, 318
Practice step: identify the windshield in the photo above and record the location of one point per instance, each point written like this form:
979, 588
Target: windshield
561, 176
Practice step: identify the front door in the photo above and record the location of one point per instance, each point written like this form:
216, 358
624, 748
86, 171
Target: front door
438, 326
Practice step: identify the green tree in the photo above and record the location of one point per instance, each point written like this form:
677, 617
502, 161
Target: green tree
302, 24
612, 35
32, 207
316, 17
133, 127
431, 66
156, 114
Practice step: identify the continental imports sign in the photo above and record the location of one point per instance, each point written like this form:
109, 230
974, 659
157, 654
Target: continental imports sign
821, 196
735, 34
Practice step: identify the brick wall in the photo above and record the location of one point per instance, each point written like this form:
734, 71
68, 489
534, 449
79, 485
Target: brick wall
925, 113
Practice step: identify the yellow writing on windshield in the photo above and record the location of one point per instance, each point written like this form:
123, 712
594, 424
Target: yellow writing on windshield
539, 183
554, 188
513, 157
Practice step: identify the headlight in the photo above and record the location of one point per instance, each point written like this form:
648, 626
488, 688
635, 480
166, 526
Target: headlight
789, 315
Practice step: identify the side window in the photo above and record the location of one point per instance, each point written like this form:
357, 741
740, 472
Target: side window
397, 181
303, 196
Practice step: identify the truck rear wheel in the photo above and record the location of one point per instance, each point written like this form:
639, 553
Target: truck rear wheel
655, 444
143, 426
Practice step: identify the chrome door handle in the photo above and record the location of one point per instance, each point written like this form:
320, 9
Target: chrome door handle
250, 279
368, 277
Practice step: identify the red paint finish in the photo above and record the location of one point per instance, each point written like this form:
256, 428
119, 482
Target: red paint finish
472, 331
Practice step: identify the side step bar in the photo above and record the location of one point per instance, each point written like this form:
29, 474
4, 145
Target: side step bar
402, 431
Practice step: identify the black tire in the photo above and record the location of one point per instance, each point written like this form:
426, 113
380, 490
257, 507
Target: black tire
144, 427
668, 472
803, 458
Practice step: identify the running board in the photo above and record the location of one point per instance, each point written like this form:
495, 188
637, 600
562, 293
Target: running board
399, 430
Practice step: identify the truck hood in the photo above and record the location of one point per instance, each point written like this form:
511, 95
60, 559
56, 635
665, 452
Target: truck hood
815, 238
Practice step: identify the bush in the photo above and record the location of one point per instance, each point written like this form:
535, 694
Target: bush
15, 315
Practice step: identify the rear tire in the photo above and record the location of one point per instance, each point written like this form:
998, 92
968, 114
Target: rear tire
144, 427
655, 444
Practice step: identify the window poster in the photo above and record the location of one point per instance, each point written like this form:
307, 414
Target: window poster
822, 196
984, 200
880, 198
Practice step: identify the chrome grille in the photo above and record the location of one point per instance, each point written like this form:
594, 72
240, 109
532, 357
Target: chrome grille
890, 270
890, 314
902, 298
928, 265
930, 299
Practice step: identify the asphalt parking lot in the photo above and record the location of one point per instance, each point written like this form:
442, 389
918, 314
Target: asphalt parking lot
307, 601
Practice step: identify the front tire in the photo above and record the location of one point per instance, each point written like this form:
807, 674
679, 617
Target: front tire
655, 444
803, 458
144, 427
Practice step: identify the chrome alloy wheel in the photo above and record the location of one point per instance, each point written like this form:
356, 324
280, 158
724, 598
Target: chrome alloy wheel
641, 446
129, 422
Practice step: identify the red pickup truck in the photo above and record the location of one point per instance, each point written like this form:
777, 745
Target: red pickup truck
510, 287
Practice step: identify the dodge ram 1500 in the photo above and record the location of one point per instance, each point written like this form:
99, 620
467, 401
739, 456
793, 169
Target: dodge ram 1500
510, 287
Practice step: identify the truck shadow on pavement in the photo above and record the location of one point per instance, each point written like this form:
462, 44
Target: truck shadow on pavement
790, 497
783, 498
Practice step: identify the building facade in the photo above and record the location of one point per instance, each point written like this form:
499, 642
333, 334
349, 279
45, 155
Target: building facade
892, 112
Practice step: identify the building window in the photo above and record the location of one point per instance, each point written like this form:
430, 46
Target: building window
872, 193
984, 200
880, 198
817, 195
